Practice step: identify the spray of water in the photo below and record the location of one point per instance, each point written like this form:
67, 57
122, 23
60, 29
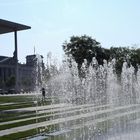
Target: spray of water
108, 104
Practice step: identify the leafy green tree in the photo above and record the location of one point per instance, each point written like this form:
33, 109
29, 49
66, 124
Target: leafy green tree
135, 57
121, 54
10, 82
2, 83
26, 82
84, 47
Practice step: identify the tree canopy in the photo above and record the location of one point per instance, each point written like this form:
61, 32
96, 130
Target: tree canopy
121, 54
84, 47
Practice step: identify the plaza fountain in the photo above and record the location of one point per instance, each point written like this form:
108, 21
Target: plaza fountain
99, 105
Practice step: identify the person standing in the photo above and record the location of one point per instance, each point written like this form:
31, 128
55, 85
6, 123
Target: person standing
43, 92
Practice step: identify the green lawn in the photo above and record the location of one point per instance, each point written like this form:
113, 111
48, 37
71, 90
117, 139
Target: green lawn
17, 136
7, 114
16, 98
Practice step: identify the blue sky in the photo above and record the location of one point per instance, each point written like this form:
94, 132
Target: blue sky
111, 22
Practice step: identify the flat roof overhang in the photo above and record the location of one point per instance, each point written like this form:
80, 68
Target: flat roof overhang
8, 26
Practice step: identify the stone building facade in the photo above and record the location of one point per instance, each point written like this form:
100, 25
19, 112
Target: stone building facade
27, 73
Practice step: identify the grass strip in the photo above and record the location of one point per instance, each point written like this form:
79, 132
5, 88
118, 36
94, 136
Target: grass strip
16, 116
19, 135
22, 123
9, 107
16, 99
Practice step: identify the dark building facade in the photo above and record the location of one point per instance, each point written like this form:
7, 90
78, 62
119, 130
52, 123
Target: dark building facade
27, 73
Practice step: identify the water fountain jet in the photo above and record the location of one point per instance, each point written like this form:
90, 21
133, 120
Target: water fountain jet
112, 103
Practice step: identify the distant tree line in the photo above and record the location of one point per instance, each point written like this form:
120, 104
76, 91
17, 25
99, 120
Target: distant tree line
84, 47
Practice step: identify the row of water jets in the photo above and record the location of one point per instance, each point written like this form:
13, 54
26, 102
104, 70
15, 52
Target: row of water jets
112, 101
100, 84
